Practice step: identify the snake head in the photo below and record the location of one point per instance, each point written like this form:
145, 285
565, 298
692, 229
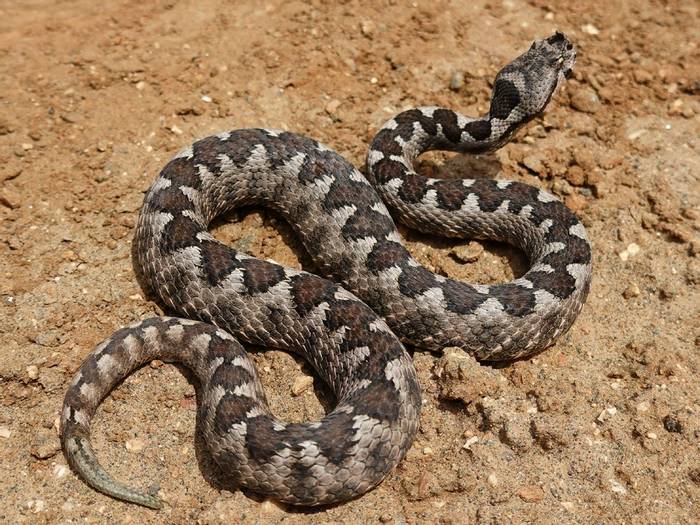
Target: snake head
525, 86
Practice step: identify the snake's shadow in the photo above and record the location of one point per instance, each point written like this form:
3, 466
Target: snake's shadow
447, 165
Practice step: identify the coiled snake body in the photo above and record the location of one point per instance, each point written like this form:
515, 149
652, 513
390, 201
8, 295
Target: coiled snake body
349, 233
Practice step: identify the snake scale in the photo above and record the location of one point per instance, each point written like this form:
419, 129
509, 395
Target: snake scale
350, 327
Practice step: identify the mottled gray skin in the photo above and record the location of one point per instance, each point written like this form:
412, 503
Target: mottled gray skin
349, 233
505, 321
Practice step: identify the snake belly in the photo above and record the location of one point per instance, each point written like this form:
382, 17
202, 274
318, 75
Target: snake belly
349, 326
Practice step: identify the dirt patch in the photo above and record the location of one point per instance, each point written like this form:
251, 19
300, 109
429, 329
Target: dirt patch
95, 97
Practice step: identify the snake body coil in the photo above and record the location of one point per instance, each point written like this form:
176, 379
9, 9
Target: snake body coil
348, 231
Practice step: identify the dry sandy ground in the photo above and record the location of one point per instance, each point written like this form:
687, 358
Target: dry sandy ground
604, 427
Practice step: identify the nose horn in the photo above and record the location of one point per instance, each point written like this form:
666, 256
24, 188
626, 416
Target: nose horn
556, 38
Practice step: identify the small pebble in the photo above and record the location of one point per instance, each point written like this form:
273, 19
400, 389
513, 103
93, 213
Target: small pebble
5, 127
590, 29
459, 376
37, 505
609, 160
694, 475
576, 175
584, 158
643, 407
470, 442
694, 248
668, 291
60, 471
5, 432
428, 485
561, 187
671, 424
593, 177
70, 118
676, 107
631, 250
332, 106
492, 480
607, 414
45, 445
531, 494
301, 384
617, 487
206, 98
140, 85
33, 372
534, 163
367, 28
456, 81
175, 130
585, 100
649, 220
10, 198
468, 253
135, 445
642, 77
634, 135
631, 291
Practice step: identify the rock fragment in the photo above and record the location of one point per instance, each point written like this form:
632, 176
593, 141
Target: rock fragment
45, 445
10, 198
531, 494
459, 376
135, 445
301, 384
467, 253
585, 100
456, 81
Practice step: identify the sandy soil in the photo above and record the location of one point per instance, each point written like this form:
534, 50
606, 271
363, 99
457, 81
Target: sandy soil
96, 96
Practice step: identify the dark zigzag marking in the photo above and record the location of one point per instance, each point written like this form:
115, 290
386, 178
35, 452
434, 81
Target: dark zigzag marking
505, 98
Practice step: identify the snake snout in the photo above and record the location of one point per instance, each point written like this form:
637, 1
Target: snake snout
557, 37
561, 47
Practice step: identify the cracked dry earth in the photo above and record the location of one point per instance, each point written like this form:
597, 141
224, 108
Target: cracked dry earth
603, 427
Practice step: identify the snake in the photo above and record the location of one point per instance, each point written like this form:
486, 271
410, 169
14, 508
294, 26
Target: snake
352, 324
